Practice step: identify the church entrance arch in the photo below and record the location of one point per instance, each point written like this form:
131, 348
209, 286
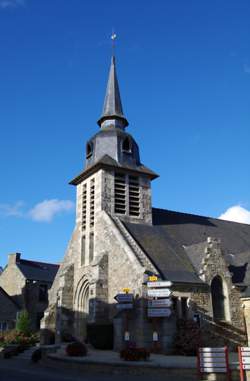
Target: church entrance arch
81, 307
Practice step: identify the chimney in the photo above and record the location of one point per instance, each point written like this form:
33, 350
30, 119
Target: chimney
14, 258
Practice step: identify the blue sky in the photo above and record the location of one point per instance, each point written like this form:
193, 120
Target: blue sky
184, 73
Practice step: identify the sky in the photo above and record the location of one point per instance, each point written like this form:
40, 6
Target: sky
184, 74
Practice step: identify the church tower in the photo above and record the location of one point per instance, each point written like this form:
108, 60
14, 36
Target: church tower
114, 179
114, 188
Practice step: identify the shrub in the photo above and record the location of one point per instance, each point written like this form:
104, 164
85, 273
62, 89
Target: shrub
15, 337
135, 354
76, 349
187, 338
23, 323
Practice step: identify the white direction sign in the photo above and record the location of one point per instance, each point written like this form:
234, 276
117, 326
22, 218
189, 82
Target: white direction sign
159, 303
159, 312
164, 283
159, 292
124, 306
124, 298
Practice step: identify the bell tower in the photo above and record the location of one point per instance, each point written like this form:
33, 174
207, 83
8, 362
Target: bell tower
114, 180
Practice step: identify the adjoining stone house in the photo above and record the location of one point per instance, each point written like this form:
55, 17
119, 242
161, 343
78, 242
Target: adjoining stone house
25, 283
9, 310
119, 240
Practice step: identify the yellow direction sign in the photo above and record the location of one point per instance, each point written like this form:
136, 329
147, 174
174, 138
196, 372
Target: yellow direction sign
153, 278
126, 290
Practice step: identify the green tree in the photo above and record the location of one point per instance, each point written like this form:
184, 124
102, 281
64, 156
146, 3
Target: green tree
23, 323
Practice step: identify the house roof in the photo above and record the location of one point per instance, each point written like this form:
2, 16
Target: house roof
39, 271
4, 293
175, 243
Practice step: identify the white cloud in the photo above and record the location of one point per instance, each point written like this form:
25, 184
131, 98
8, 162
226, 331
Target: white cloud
15, 210
43, 211
236, 213
46, 210
5, 4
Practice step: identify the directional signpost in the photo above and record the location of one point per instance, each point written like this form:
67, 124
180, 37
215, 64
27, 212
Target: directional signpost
159, 303
125, 303
159, 292
159, 312
159, 284
124, 306
124, 298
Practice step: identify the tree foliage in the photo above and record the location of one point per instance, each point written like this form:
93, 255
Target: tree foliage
23, 323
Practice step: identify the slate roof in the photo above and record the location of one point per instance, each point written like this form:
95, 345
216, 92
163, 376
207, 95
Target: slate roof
3, 292
112, 107
107, 162
175, 243
39, 271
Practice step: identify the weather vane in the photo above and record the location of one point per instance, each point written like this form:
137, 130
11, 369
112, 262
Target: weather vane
113, 38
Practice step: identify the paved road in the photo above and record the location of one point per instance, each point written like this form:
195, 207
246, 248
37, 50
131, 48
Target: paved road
16, 370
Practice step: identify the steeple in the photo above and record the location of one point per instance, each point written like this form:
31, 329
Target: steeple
112, 114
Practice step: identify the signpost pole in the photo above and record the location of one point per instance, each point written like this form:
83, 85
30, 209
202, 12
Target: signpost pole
155, 331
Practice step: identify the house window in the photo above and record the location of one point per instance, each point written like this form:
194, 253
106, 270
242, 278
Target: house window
3, 326
84, 205
43, 293
92, 202
127, 146
220, 301
120, 193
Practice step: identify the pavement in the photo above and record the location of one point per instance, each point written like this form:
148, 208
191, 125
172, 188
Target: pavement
101, 366
113, 358
156, 360
22, 370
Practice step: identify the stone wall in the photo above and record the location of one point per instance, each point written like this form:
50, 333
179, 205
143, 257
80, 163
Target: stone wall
232, 330
13, 281
246, 308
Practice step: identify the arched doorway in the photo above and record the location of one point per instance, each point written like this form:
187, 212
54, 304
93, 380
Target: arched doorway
81, 307
220, 301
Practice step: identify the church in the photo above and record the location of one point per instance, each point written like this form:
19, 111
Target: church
120, 243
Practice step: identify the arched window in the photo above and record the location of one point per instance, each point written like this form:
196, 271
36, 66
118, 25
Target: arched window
219, 299
126, 145
89, 150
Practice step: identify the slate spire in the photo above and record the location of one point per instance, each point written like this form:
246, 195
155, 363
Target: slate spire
112, 108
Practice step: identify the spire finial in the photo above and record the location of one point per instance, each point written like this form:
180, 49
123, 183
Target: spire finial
112, 108
113, 38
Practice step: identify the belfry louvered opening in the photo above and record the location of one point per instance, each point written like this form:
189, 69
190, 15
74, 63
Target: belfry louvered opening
120, 193
92, 202
84, 205
134, 196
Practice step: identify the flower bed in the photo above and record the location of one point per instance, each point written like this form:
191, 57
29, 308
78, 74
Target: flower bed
76, 349
135, 354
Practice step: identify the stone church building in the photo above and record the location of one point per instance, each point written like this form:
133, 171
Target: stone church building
120, 240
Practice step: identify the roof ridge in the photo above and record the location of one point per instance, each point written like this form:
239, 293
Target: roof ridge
200, 216
38, 262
